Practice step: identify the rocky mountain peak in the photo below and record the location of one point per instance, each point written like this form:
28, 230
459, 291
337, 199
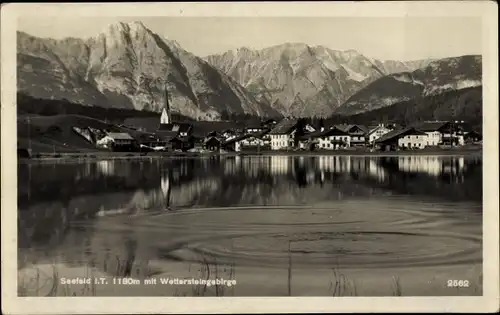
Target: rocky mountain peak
127, 66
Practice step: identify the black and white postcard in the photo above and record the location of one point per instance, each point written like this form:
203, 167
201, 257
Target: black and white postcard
250, 157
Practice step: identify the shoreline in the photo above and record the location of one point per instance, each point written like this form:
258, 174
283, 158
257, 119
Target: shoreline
128, 156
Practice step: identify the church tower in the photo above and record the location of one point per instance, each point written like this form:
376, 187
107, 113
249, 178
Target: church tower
165, 115
165, 119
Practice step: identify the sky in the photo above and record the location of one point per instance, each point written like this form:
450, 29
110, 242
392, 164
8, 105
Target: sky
385, 38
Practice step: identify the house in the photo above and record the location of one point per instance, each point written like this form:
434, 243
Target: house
259, 139
182, 143
282, 135
357, 134
472, 137
250, 141
309, 141
329, 139
212, 143
146, 141
228, 133
234, 144
415, 139
442, 132
269, 124
409, 137
182, 129
376, 132
434, 131
334, 139
118, 141
253, 128
163, 140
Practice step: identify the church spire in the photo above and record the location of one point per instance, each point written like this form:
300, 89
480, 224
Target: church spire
165, 115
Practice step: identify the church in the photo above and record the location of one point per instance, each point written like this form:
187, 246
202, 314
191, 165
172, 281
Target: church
181, 129
180, 134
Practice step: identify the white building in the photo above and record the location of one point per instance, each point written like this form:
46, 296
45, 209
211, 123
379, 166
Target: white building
413, 140
442, 132
282, 136
334, 139
377, 132
408, 138
115, 139
255, 140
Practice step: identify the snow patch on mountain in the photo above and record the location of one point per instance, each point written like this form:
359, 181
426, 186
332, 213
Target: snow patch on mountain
354, 75
461, 84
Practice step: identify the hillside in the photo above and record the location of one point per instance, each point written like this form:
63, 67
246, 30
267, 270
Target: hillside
54, 133
125, 66
464, 104
301, 80
439, 76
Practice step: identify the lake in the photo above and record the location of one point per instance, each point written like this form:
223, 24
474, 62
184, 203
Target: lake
255, 225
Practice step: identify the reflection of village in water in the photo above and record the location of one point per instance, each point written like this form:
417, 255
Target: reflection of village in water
65, 211
189, 182
134, 187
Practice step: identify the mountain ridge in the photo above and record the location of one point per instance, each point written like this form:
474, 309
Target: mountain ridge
454, 73
125, 66
321, 75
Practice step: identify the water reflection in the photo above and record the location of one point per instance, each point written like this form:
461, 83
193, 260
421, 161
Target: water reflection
91, 189
122, 215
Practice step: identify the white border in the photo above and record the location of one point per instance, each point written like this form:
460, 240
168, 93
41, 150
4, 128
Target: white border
489, 302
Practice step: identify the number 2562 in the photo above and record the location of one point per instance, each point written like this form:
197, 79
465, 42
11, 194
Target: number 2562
458, 283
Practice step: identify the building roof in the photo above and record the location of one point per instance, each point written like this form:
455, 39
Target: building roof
333, 131
178, 127
310, 135
166, 135
431, 125
236, 139
348, 127
372, 129
472, 133
258, 134
395, 134
145, 137
284, 127
211, 139
120, 136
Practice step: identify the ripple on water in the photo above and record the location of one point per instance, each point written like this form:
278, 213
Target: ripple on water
374, 233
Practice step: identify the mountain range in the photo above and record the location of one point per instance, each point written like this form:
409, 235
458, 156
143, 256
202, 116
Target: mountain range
301, 80
127, 66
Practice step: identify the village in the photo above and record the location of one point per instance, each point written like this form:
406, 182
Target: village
289, 134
